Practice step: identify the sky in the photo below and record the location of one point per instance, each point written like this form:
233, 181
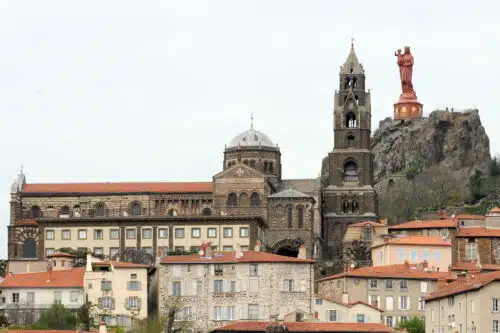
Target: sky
116, 90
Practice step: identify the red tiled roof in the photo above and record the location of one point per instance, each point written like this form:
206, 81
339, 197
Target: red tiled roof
391, 271
255, 326
228, 257
60, 254
474, 282
472, 265
54, 279
425, 224
129, 187
478, 232
416, 240
25, 222
362, 224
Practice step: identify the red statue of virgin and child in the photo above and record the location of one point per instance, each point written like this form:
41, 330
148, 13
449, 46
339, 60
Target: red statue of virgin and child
407, 107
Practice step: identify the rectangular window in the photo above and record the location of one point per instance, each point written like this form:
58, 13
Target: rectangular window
253, 311
253, 270
82, 234
471, 249
114, 234
332, 315
244, 232
133, 303
373, 300
179, 232
360, 318
421, 304
106, 303
227, 248
218, 270
403, 319
433, 315
176, 288
134, 285
389, 321
57, 296
212, 232
49, 251
98, 234
495, 305
113, 251
319, 301
228, 232
495, 326
30, 297
423, 287
73, 296
49, 235
231, 313
451, 301
404, 284
66, 234
388, 284
373, 283
403, 302
198, 288
195, 232
288, 285
131, 233
162, 233
147, 233
15, 297
401, 256
218, 286
98, 251
217, 313
106, 285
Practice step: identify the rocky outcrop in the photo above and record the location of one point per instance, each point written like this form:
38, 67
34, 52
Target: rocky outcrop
456, 140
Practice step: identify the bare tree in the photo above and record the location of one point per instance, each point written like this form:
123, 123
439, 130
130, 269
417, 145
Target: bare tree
358, 252
174, 319
438, 187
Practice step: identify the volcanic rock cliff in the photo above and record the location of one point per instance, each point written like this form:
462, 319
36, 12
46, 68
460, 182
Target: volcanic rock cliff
455, 140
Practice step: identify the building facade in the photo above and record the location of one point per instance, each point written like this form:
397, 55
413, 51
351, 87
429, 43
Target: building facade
359, 312
348, 194
398, 290
214, 289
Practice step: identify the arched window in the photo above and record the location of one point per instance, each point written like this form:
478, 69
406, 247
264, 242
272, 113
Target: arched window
252, 163
135, 209
367, 232
290, 216
100, 210
355, 206
171, 212
29, 248
265, 167
347, 82
255, 200
36, 212
350, 171
350, 120
245, 162
206, 211
232, 200
300, 216
271, 169
64, 211
244, 200
77, 211
345, 206
351, 141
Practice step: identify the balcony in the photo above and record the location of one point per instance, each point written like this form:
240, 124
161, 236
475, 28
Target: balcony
37, 306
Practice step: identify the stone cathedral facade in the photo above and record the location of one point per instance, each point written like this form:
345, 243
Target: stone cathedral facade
247, 204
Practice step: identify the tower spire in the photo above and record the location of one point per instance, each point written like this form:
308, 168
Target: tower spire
352, 64
251, 121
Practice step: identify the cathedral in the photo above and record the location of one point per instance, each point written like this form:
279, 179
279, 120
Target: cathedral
246, 205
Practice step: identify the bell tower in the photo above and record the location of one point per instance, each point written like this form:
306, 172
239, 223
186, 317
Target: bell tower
348, 193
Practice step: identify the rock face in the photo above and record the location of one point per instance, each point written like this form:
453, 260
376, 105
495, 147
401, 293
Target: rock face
456, 140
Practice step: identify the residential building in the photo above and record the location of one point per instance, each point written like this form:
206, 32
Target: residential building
118, 289
302, 327
398, 290
473, 266
434, 250
470, 304
26, 295
217, 288
333, 311
362, 234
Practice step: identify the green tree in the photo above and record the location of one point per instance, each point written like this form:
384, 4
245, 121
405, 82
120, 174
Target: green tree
57, 318
413, 325
478, 186
84, 315
3, 266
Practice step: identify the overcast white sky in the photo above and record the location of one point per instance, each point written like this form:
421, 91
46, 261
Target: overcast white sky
120, 90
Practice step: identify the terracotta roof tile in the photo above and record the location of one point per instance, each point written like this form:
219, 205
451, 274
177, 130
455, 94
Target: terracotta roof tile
254, 326
391, 271
425, 224
227, 257
478, 232
55, 279
362, 224
416, 240
60, 254
474, 282
129, 187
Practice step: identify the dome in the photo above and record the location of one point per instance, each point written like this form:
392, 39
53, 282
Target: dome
251, 138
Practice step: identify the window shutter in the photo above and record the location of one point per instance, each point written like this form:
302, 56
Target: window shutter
139, 285
193, 313
211, 313
225, 314
378, 302
183, 288
238, 286
337, 315
370, 299
225, 286
100, 302
408, 307
327, 315
113, 303
303, 286
212, 269
126, 303
210, 286
139, 303
244, 311
261, 312
194, 287
399, 303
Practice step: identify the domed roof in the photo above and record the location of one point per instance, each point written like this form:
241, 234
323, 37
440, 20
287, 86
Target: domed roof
251, 138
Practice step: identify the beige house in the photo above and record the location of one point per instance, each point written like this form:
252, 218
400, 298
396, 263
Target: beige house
119, 289
434, 250
216, 288
358, 312
398, 290
470, 304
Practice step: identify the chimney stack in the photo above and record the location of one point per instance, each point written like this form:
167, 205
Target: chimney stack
425, 264
102, 327
461, 277
257, 246
302, 252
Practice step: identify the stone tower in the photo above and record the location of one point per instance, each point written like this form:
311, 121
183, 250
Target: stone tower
348, 193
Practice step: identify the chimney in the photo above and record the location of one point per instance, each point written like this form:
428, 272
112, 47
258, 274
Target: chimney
407, 264
102, 327
302, 252
425, 265
461, 277
443, 213
441, 283
345, 298
257, 246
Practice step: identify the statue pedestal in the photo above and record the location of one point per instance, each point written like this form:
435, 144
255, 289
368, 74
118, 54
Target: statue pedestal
407, 107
